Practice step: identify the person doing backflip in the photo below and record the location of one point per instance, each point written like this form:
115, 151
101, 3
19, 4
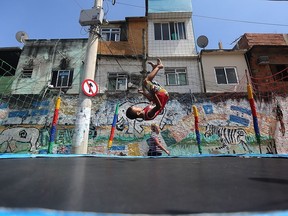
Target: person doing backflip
154, 92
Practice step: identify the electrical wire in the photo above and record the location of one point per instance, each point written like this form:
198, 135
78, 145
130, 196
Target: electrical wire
210, 17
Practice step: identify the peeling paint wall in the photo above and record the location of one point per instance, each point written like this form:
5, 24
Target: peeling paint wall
225, 127
42, 57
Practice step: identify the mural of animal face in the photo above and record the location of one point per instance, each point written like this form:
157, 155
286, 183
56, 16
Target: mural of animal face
20, 134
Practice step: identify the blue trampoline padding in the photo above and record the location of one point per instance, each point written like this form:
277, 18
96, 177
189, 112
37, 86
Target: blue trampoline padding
14, 156
47, 212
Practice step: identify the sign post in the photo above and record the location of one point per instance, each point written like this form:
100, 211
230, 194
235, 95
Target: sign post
89, 87
82, 124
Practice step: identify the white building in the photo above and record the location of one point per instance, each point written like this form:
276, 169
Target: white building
171, 38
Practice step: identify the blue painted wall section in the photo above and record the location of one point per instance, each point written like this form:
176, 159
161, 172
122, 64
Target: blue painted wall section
161, 6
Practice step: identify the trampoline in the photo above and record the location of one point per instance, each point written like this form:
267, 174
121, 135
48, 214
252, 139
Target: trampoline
145, 185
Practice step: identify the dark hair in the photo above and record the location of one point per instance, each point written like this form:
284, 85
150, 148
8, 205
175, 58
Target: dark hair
131, 114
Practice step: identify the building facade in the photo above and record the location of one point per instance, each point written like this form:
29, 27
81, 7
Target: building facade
223, 70
48, 69
171, 38
267, 56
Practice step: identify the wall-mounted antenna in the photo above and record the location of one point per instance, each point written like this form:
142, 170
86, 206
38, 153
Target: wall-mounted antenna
202, 41
21, 36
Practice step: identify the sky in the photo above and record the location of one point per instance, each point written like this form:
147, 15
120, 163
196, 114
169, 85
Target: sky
218, 20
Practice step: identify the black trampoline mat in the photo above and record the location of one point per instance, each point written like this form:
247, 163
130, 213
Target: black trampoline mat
146, 185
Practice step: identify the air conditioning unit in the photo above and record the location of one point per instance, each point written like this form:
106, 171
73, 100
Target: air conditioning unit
92, 16
263, 60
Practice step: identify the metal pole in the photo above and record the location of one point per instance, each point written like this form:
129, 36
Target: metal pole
82, 124
196, 120
254, 112
55, 120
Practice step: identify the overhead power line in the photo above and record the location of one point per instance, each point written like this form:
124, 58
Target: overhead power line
242, 21
215, 18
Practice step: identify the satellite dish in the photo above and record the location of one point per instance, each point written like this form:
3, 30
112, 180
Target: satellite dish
21, 36
202, 41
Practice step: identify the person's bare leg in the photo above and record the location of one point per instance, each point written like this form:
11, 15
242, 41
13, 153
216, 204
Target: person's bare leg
156, 68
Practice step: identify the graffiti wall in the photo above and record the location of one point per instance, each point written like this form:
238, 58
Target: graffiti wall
225, 127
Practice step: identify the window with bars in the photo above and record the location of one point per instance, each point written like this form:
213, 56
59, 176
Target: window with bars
26, 73
117, 82
176, 76
226, 75
110, 34
170, 31
62, 78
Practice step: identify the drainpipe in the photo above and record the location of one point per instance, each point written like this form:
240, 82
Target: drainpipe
202, 72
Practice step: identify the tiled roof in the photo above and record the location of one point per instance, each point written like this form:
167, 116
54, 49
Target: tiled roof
251, 39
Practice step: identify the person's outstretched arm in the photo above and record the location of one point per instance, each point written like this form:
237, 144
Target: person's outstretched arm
158, 143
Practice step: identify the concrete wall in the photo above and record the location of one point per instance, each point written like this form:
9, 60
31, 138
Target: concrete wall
27, 129
220, 58
132, 67
43, 56
194, 83
171, 48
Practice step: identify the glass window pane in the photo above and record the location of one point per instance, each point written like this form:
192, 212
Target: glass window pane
173, 31
112, 84
113, 37
231, 75
165, 31
182, 79
121, 84
63, 78
110, 34
171, 79
157, 31
220, 75
182, 32
105, 37
117, 37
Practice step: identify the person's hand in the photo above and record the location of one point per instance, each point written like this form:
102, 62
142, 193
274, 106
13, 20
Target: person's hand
168, 152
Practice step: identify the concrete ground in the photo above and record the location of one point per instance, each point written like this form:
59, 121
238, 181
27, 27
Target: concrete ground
145, 185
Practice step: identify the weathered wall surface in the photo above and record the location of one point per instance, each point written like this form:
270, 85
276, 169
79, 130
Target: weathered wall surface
225, 127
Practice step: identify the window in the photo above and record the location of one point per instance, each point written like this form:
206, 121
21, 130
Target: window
117, 81
280, 72
110, 34
176, 76
62, 78
26, 73
170, 31
226, 75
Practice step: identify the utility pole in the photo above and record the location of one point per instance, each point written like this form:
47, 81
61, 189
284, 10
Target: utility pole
92, 17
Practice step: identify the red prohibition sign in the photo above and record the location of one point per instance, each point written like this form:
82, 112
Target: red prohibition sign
89, 87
